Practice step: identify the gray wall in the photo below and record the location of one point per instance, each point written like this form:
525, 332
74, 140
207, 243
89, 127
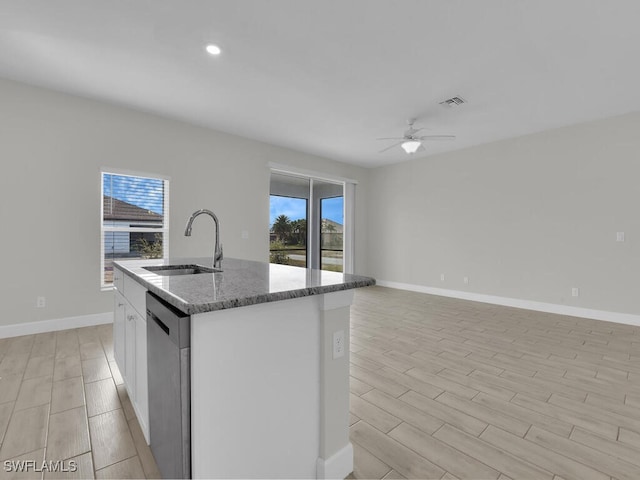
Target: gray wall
52, 147
526, 218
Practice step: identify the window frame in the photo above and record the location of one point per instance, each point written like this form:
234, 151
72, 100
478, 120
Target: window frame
105, 229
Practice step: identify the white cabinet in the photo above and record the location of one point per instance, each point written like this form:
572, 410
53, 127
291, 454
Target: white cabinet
119, 319
142, 384
130, 343
130, 352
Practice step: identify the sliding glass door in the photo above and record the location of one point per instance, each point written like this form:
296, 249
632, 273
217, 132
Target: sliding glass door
307, 222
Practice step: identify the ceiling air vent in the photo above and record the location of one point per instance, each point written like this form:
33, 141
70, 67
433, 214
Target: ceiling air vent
453, 102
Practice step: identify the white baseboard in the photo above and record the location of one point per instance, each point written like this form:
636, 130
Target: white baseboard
29, 328
339, 465
617, 317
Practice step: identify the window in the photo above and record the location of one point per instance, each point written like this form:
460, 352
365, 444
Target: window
135, 220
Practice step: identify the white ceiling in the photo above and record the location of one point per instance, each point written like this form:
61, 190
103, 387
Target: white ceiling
330, 76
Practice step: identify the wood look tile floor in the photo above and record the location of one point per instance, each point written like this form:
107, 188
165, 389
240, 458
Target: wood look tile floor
61, 399
440, 389
446, 388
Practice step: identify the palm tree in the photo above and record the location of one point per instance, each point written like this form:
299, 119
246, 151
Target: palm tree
282, 228
299, 228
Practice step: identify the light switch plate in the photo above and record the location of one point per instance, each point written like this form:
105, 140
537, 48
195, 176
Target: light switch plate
619, 236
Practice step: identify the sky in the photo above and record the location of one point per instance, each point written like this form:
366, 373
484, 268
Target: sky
296, 208
147, 193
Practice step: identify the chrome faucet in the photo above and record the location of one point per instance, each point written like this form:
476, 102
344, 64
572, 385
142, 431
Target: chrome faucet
217, 251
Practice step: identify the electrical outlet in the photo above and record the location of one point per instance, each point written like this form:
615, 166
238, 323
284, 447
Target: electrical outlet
465, 280
41, 302
575, 292
619, 236
338, 344
442, 277
244, 235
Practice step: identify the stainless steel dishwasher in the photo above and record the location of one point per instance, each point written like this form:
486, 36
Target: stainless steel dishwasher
169, 372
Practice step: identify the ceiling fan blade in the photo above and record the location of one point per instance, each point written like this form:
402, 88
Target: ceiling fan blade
391, 146
437, 137
391, 138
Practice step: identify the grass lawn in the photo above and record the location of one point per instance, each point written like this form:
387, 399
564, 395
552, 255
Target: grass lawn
300, 251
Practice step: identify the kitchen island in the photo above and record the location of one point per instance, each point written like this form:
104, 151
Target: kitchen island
269, 365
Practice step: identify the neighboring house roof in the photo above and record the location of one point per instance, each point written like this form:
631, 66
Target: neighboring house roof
336, 225
114, 209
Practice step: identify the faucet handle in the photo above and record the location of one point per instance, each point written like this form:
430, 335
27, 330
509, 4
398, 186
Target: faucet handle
217, 260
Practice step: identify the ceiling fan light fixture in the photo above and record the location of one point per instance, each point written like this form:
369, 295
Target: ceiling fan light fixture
410, 146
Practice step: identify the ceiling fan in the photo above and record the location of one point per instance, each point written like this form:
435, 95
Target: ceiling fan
412, 143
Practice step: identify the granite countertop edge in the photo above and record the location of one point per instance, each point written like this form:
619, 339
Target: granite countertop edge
355, 281
192, 309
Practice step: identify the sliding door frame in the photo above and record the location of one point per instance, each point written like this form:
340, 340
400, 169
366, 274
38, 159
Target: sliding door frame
313, 230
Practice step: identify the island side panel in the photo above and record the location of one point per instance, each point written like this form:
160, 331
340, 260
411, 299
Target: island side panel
256, 390
336, 452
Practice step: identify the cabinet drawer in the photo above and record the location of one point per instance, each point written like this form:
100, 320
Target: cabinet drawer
135, 294
118, 279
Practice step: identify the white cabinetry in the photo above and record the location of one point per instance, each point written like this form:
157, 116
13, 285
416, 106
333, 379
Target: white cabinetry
130, 343
142, 382
130, 352
119, 320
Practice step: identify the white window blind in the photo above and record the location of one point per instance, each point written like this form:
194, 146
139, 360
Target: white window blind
135, 220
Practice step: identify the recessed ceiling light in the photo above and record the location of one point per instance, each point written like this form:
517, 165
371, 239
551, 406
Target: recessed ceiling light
213, 49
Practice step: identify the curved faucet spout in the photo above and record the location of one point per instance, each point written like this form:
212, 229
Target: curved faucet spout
217, 251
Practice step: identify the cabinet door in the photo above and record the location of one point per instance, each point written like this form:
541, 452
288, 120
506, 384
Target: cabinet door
119, 330
118, 279
142, 396
130, 351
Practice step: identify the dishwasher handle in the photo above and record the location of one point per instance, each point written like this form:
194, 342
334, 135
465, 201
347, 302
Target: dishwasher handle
173, 322
159, 322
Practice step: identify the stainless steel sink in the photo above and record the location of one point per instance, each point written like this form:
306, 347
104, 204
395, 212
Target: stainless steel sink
181, 269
